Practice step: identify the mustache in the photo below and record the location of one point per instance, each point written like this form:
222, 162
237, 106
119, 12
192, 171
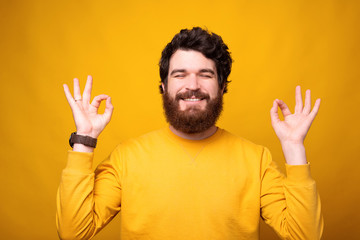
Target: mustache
192, 93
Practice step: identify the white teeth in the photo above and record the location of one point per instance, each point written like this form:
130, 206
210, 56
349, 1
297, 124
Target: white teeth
192, 99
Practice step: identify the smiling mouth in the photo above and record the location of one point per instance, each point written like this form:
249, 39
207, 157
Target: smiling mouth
192, 99
192, 96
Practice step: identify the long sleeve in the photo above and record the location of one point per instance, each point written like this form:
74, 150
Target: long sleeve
87, 201
291, 205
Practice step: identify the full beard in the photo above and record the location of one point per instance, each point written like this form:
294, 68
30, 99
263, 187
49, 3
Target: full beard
192, 119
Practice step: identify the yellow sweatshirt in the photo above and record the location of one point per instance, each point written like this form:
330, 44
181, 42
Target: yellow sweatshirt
169, 188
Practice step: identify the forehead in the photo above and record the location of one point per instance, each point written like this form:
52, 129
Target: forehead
190, 60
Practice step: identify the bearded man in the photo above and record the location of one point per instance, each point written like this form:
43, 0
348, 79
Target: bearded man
190, 180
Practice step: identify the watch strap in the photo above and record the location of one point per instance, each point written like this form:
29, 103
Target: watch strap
85, 140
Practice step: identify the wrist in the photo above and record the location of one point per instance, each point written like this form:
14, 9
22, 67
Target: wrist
78, 147
88, 134
294, 153
292, 144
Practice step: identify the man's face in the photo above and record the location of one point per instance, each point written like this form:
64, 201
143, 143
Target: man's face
192, 71
192, 100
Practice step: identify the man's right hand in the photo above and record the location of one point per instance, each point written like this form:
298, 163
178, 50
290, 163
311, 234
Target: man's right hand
87, 120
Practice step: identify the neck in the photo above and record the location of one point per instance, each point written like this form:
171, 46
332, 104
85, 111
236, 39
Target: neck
195, 136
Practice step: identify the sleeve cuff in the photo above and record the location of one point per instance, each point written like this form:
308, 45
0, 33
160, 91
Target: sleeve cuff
80, 161
298, 174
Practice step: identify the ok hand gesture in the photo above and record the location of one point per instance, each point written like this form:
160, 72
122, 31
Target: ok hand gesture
87, 120
295, 126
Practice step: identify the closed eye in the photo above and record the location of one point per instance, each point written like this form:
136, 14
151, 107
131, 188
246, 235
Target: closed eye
179, 76
206, 76
207, 73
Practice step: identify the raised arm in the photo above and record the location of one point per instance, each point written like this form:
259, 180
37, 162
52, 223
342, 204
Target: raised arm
292, 131
87, 119
87, 201
292, 205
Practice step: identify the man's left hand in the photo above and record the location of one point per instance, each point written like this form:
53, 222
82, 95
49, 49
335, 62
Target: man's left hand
293, 129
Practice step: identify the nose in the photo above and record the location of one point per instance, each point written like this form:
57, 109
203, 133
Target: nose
192, 82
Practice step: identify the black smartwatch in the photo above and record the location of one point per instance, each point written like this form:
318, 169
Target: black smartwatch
85, 140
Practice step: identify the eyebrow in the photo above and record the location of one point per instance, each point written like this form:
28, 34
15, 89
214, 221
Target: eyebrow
204, 70
177, 71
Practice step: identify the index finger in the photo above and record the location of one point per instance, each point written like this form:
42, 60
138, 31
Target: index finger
315, 109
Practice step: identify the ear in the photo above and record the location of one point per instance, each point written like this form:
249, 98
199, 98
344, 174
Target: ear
163, 87
222, 90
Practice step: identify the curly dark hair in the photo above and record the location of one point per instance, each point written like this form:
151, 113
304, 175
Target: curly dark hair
209, 44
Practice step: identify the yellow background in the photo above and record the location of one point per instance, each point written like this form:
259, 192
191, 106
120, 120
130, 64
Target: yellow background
275, 44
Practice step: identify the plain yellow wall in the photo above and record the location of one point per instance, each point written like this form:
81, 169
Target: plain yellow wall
276, 45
